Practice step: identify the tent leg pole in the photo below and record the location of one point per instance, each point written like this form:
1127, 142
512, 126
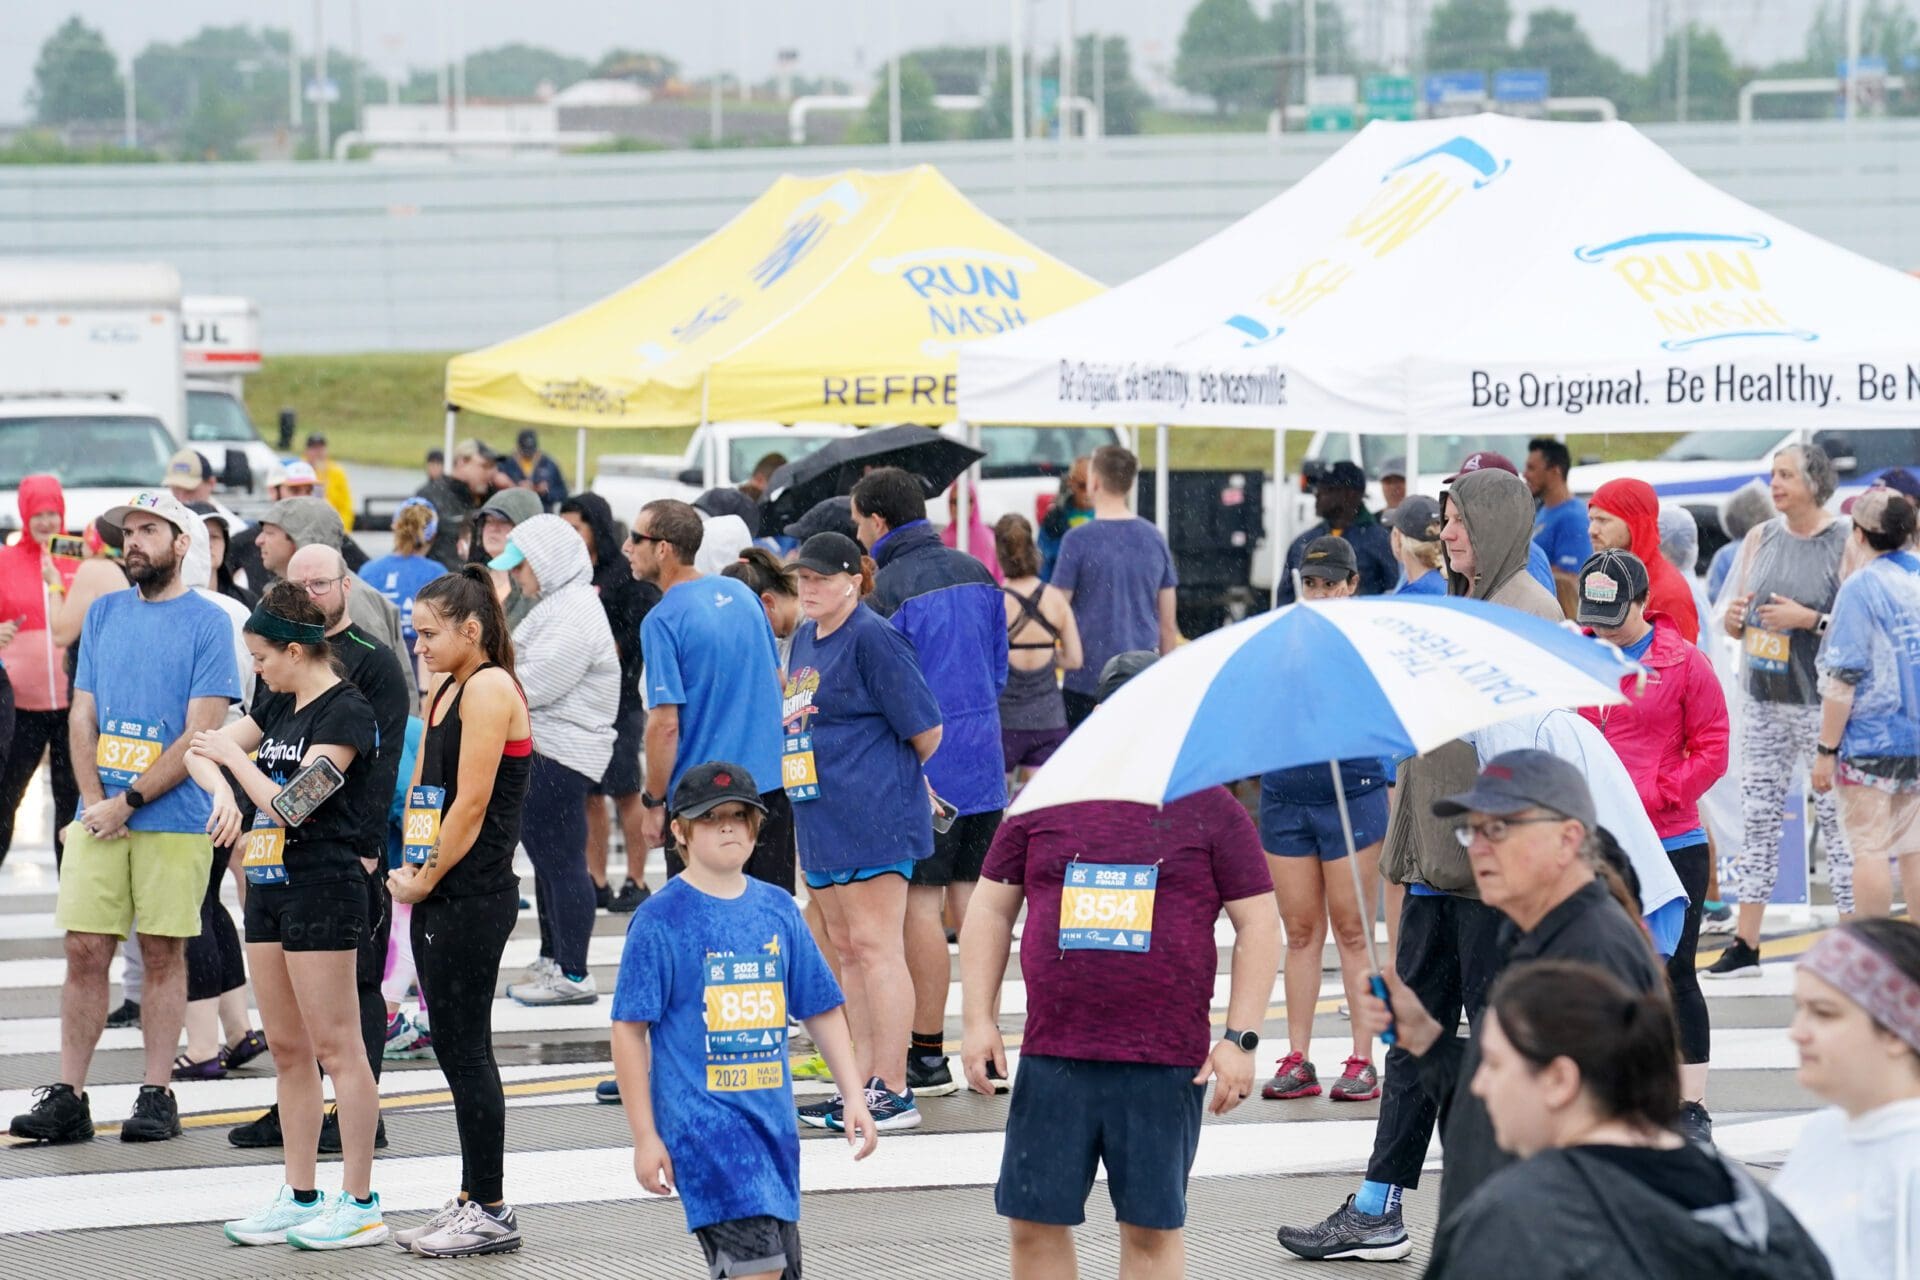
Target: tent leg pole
447, 455
1281, 495
1163, 480
580, 461
1413, 461
963, 514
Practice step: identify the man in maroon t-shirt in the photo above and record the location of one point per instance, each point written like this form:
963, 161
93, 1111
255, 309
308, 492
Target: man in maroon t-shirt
1118, 957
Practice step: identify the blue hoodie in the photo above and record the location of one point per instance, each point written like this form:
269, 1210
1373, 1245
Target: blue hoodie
947, 604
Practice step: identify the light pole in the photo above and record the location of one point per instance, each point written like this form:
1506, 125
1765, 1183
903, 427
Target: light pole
322, 109
893, 77
133, 129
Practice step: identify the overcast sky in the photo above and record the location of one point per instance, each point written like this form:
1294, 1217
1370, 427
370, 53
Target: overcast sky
834, 37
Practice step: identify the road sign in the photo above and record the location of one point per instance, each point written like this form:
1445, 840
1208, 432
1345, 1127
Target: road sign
323, 90
1520, 85
1453, 93
1390, 97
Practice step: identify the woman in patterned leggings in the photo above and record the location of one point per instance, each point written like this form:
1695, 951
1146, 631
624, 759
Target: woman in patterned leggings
1783, 590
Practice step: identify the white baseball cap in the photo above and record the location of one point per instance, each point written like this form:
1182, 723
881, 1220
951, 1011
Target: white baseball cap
291, 471
156, 502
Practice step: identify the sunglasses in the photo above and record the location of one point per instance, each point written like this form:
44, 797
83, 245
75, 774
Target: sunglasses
636, 538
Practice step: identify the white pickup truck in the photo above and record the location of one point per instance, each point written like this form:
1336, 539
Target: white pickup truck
220, 346
1021, 471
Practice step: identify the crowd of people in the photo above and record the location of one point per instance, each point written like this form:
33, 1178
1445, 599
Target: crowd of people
840, 708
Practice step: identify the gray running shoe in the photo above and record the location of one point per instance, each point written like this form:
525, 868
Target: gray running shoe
473, 1231
1351, 1234
442, 1219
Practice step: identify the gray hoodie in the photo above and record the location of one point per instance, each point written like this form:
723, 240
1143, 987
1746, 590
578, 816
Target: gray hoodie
564, 653
1497, 509
310, 522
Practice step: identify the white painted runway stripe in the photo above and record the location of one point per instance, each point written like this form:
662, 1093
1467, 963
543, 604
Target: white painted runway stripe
597, 1175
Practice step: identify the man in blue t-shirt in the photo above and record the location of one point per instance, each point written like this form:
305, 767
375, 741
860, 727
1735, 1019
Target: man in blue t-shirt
715, 966
711, 682
156, 666
1117, 573
1560, 528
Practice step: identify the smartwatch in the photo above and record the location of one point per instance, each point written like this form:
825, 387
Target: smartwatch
1244, 1040
1820, 627
648, 802
1826, 750
134, 799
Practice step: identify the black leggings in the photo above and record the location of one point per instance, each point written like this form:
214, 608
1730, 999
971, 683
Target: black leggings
1689, 1002
553, 827
456, 947
216, 963
37, 734
369, 966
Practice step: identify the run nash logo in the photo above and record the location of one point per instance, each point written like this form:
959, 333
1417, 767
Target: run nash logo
1700, 286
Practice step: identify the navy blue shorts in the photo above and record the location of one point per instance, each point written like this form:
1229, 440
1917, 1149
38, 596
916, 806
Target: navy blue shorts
1289, 830
1070, 1116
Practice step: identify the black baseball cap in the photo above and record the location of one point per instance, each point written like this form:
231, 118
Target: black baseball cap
829, 553
315, 438
706, 787
1610, 581
1515, 781
528, 441
1342, 475
829, 515
1330, 558
1120, 668
1418, 517
435, 455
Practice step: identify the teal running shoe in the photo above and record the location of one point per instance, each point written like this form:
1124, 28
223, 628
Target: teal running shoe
271, 1224
345, 1225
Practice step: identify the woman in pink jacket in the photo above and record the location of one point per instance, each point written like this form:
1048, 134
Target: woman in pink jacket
31, 576
1672, 736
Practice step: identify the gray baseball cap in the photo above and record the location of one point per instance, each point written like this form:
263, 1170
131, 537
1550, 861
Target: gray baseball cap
1515, 781
1120, 668
1418, 517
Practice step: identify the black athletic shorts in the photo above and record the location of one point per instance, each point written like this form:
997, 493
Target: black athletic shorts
750, 1246
308, 917
622, 777
960, 851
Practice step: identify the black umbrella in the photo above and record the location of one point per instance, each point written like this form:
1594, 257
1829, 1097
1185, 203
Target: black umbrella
832, 470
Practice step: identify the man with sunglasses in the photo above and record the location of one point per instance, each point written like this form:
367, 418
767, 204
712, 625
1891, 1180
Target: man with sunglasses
1527, 826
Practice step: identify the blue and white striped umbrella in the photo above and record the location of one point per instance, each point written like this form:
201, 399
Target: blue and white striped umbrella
1388, 676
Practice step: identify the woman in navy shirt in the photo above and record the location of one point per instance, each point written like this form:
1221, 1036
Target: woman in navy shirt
860, 722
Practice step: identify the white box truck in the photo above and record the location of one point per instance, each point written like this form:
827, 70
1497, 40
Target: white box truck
92, 388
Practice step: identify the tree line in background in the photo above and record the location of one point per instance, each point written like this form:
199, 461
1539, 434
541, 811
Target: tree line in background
204, 96
1242, 61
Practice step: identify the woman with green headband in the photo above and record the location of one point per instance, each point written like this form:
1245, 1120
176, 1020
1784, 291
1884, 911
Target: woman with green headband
305, 908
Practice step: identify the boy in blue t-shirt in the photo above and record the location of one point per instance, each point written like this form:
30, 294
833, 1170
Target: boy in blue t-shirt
714, 965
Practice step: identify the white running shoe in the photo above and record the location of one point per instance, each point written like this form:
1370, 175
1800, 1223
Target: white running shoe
473, 1231
442, 1218
556, 989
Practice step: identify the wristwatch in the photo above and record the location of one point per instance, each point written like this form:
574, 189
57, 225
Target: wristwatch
1247, 1041
648, 802
134, 799
1826, 750
1820, 627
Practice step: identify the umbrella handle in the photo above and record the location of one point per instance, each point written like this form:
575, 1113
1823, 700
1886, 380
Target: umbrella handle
1375, 982
1378, 985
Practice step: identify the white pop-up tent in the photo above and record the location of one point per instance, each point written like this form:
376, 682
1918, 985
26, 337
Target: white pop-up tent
1483, 274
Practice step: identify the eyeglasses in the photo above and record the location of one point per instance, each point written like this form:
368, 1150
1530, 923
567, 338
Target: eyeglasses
320, 586
1494, 830
636, 538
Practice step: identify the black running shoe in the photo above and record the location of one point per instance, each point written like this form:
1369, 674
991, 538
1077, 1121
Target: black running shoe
330, 1133
260, 1133
602, 897
1695, 1124
1739, 960
929, 1077
59, 1115
1349, 1233
127, 1015
155, 1118
631, 895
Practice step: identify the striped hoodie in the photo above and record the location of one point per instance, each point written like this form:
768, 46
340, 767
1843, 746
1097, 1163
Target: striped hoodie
563, 651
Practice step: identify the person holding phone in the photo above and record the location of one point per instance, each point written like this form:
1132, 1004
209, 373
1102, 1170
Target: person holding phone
305, 754
35, 573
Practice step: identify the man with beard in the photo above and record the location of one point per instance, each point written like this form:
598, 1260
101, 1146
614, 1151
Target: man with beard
1339, 499
155, 667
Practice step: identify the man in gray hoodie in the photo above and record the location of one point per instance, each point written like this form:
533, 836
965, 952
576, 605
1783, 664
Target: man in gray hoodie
1446, 944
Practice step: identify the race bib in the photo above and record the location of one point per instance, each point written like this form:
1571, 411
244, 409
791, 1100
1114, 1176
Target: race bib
1767, 650
798, 773
127, 749
264, 852
1107, 907
420, 829
746, 1024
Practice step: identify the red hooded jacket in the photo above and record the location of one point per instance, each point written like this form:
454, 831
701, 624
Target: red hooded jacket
1672, 734
1635, 502
35, 664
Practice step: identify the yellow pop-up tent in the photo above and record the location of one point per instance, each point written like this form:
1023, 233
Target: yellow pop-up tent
836, 299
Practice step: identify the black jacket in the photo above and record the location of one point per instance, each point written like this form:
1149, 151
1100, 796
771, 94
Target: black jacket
1589, 926
455, 502
626, 599
1570, 1215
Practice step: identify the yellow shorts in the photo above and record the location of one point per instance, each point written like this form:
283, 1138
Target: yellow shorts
158, 876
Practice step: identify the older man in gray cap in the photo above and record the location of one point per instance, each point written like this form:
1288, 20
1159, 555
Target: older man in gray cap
292, 523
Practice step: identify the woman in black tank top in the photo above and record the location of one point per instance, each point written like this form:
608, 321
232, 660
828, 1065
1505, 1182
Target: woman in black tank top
462, 823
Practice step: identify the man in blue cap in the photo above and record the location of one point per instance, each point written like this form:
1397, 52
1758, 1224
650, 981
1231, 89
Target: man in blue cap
1339, 499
